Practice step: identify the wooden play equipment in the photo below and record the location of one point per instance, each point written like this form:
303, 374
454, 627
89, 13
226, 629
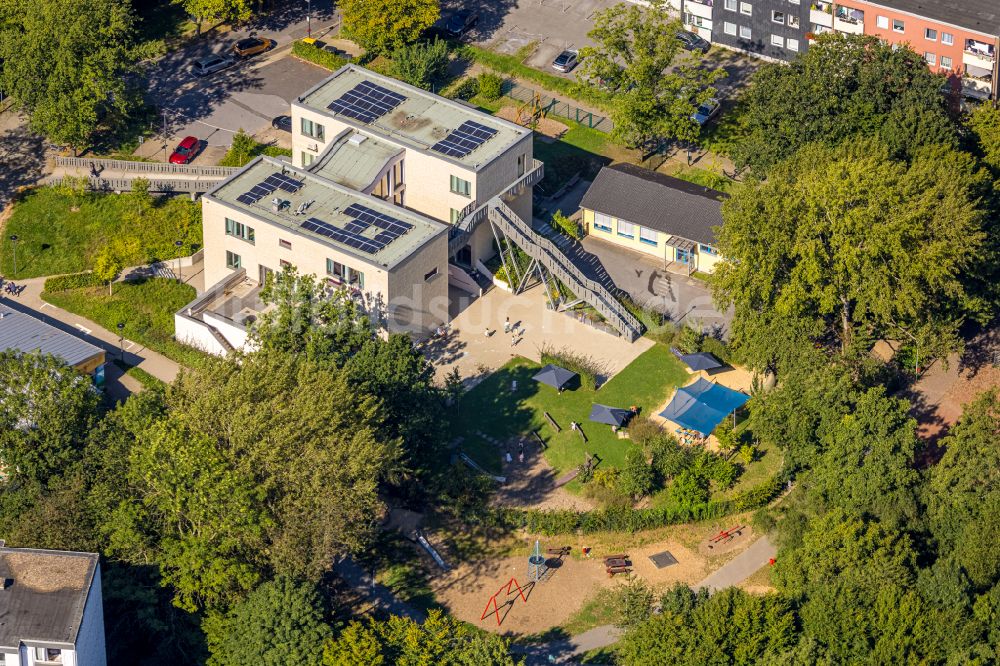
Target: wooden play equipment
725, 536
506, 589
529, 113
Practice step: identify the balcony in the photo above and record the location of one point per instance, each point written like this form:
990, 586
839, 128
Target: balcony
977, 81
851, 21
821, 13
700, 8
979, 55
707, 3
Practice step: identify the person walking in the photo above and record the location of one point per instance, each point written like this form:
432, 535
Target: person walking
506, 325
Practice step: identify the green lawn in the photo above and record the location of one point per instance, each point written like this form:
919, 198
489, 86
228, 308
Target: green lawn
54, 238
146, 308
492, 408
705, 178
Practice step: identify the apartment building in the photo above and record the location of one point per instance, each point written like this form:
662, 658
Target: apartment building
51, 608
655, 214
959, 39
383, 197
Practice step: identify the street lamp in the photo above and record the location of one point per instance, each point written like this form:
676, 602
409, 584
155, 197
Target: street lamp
121, 340
14, 239
178, 244
309, 31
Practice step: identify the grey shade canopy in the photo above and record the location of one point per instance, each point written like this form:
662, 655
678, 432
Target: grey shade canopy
610, 415
700, 361
554, 376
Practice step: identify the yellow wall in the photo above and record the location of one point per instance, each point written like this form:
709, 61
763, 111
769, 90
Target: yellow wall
702, 262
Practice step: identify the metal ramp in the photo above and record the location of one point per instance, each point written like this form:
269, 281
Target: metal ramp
549, 262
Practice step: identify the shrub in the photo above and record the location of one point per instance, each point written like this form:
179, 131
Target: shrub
589, 369
716, 348
643, 431
490, 86
467, 89
421, 64
636, 478
73, 281
566, 225
747, 453
669, 458
689, 340
317, 56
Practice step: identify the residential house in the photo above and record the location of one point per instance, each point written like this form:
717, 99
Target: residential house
27, 334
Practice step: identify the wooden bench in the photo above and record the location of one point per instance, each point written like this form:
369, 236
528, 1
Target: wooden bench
619, 556
558, 551
552, 422
541, 442
611, 571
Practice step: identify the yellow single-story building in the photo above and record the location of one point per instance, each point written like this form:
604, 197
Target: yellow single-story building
659, 215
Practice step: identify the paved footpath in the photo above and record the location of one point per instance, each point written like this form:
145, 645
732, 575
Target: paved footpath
741, 567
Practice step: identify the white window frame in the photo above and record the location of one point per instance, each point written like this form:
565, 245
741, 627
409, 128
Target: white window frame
729, 28
792, 44
793, 21
882, 22
307, 158
602, 222
626, 229
927, 36
746, 8
775, 13
931, 58
777, 40
902, 25
947, 65
793, 2
947, 39
649, 236
233, 260
745, 32
732, 5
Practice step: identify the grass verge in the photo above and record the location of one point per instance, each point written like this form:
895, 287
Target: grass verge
147, 380
146, 307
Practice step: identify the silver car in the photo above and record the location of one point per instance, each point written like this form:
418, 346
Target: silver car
706, 111
211, 65
565, 61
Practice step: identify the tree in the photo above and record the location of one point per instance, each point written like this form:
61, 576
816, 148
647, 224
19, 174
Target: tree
384, 25
280, 622
67, 65
107, 266
637, 476
46, 410
850, 245
441, 639
242, 149
654, 92
985, 125
844, 86
421, 64
220, 10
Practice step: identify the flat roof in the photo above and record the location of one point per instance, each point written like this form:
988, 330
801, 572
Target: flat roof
656, 201
354, 159
45, 596
326, 201
27, 334
976, 15
420, 121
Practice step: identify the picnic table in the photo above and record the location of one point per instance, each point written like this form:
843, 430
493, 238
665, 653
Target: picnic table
616, 563
611, 571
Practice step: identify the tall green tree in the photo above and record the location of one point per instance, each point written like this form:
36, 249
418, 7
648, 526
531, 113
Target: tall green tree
280, 622
844, 86
421, 64
384, 25
849, 245
216, 10
637, 58
46, 410
67, 65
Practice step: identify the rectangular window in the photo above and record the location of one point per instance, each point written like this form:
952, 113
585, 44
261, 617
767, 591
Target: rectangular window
778, 17
729, 28
947, 38
792, 44
793, 21
746, 8
647, 236
793, 2
931, 34
429, 275
335, 269
882, 22
233, 260
459, 186
946, 62
307, 158
602, 222
315, 130
745, 32
625, 229
521, 159
285, 244
731, 5
285, 264
777, 40
930, 58
897, 25
455, 215
239, 230
707, 249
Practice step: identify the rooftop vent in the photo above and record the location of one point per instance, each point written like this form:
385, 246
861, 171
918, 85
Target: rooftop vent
357, 139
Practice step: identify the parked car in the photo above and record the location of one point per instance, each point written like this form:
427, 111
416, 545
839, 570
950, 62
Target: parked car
706, 111
693, 42
185, 151
461, 22
283, 123
211, 65
251, 46
566, 61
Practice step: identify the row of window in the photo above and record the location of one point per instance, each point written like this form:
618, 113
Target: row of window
745, 32
930, 34
628, 230
313, 129
932, 60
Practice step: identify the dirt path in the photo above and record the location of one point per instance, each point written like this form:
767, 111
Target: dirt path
532, 484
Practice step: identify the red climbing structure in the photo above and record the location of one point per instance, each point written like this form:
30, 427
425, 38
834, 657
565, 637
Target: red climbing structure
505, 588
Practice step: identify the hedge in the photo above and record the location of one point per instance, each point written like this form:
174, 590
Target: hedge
73, 281
317, 56
627, 519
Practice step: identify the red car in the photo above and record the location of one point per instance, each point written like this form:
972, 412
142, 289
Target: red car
185, 151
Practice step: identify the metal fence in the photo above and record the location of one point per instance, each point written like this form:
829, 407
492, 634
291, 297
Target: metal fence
146, 167
554, 106
191, 185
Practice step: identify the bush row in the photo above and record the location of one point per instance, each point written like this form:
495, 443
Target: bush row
627, 519
317, 56
73, 281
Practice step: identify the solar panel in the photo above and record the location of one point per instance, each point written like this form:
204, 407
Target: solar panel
355, 227
366, 102
286, 183
370, 217
462, 141
247, 198
322, 228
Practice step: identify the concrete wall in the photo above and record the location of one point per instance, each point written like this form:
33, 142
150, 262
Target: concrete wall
90, 647
703, 262
417, 301
196, 333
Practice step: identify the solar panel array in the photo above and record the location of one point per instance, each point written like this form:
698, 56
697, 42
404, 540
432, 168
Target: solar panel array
269, 185
469, 136
363, 218
366, 102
